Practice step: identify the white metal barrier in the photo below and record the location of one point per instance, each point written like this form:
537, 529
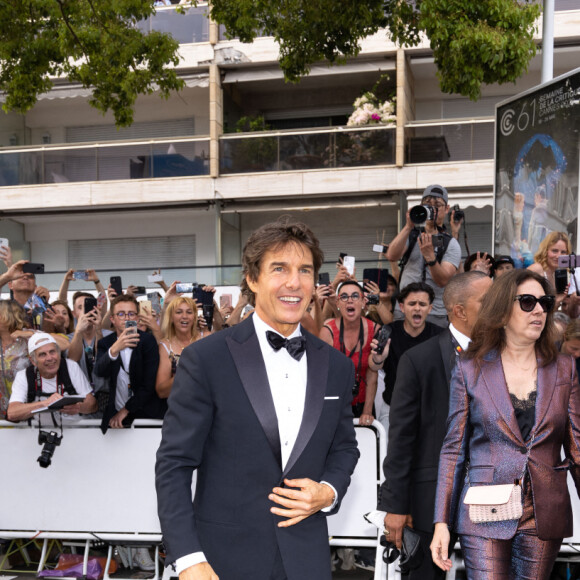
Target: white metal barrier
103, 487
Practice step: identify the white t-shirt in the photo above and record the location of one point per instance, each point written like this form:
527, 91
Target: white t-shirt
77, 377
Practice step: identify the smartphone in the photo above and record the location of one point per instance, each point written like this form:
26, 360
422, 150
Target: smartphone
155, 299
202, 297
140, 291
348, 263
3, 242
33, 268
561, 280
378, 276
90, 304
117, 284
80, 275
146, 305
341, 257
152, 278
181, 288
380, 248
131, 324
225, 300
323, 279
382, 337
567, 261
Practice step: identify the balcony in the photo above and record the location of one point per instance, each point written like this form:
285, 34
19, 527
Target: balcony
190, 27
104, 161
438, 142
337, 147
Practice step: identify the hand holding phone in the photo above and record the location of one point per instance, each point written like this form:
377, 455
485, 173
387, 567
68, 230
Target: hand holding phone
80, 275
348, 262
32, 268
116, 284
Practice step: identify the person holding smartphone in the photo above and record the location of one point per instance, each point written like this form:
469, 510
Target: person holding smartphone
128, 360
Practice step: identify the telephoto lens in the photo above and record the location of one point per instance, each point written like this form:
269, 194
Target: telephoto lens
421, 214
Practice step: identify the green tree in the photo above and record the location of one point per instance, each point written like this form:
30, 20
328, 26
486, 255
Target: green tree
92, 42
97, 43
473, 41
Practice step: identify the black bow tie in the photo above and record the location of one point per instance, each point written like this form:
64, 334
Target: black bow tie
295, 346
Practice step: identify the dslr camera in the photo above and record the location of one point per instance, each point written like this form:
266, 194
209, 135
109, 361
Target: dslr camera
420, 214
459, 213
382, 337
50, 441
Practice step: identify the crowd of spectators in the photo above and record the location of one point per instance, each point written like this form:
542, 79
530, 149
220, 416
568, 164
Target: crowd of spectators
122, 354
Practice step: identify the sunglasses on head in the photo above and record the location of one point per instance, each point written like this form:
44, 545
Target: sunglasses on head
528, 302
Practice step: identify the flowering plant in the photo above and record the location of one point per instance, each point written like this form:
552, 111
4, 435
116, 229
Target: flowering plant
368, 110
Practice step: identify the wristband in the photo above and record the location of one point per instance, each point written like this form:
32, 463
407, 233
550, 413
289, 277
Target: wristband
432, 262
375, 362
97, 282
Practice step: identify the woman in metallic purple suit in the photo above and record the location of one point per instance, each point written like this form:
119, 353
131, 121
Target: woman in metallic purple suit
514, 403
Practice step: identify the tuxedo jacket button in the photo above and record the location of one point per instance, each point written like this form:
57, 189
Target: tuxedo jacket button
523, 449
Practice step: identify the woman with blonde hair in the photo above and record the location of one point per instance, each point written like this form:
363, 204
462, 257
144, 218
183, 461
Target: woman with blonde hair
180, 330
13, 349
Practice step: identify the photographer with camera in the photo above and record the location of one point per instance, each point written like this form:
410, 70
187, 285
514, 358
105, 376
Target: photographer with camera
50, 377
426, 251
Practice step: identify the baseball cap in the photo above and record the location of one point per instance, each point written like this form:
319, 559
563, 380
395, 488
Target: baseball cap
504, 260
39, 339
436, 191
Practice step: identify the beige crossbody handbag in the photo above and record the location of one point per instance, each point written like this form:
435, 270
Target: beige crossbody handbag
496, 503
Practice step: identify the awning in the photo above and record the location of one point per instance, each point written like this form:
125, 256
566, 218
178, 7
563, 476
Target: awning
464, 199
266, 74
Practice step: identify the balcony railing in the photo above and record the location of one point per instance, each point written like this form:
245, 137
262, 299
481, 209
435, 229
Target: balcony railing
104, 161
300, 150
454, 140
189, 27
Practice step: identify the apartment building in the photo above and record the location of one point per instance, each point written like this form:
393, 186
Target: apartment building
181, 191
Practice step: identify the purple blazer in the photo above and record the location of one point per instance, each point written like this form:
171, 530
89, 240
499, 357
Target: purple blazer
482, 427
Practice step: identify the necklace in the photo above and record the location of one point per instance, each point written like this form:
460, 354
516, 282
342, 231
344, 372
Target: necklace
181, 344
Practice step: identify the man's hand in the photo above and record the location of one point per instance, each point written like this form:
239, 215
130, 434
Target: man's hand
57, 320
394, 524
127, 339
116, 421
425, 242
71, 409
42, 292
310, 498
6, 255
86, 321
453, 225
201, 571
15, 271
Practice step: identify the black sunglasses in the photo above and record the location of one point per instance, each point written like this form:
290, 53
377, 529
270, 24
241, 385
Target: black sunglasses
528, 302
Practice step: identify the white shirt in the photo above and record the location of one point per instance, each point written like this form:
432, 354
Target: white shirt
287, 378
122, 393
461, 338
78, 380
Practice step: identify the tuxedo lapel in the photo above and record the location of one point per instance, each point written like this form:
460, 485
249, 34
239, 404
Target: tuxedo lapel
546, 386
494, 380
245, 349
317, 361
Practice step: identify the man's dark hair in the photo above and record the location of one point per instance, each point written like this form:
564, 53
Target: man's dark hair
416, 287
273, 236
78, 294
123, 298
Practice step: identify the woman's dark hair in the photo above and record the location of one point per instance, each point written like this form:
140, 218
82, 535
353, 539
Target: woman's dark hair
274, 236
71, 323
496, 308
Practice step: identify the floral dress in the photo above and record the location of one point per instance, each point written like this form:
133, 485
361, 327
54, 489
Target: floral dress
12, 359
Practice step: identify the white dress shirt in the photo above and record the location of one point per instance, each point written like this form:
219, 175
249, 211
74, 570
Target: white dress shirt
122, 393
461, 338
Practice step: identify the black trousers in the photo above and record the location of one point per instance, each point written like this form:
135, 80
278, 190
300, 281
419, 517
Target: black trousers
427, 570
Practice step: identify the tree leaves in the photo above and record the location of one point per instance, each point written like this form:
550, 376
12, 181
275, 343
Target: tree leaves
93, 42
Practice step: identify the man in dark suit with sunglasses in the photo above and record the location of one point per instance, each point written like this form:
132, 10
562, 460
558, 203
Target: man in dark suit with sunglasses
261, 412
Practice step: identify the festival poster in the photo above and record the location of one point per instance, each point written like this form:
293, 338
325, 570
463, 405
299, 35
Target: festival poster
537, 163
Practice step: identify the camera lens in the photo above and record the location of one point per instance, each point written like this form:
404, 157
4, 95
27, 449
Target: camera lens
421, 214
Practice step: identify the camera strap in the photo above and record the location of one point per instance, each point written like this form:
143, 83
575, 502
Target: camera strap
361, 341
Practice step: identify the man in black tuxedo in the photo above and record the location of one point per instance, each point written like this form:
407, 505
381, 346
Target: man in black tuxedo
418, 420
262, 413
127, 360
